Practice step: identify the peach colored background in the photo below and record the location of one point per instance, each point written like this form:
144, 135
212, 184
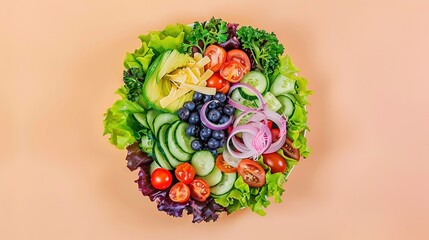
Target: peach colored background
367, 62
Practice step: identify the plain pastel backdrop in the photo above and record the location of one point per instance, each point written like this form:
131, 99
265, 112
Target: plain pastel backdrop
367, 62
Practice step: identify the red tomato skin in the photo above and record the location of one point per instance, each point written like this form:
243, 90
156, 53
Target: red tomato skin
251, 172
217, 57
179, 193
185, 173
232, 71
161, 179
275, 161
200, 190
241, 57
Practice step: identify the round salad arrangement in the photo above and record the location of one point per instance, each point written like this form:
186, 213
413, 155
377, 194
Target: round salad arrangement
213, 115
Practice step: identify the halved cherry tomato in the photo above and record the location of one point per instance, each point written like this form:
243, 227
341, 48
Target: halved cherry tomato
216, 81
161, 178
275, 132
223, 166
241, 57
225, 88
200, 190
217, 57
185, 173
289, 151
232, 71
251, 172
276, 162
179, 193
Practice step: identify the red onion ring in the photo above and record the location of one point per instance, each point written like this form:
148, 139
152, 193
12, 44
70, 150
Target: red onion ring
243, 154
209, 124
280, 122
250, 88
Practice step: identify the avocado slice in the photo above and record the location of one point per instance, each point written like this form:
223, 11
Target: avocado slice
154, 86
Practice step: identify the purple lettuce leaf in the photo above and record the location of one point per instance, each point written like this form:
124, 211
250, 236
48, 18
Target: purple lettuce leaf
232, 41
136, 157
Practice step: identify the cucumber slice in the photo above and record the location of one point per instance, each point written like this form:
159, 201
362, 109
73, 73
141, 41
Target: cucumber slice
225, 185
214, 177
271, 101
203, 162
161, 119
182, 139
153, 166
257, 80
288, 105
146, 142
162, 141
237, 97
141, 118
160, 159
282, 85
150, 117
175, 150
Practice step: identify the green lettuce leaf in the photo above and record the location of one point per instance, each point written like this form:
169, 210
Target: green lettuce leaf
120, 123
140, 59
297, 123
168, 39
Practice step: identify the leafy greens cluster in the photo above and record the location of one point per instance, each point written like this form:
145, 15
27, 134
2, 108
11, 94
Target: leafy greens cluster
205, 33
263, 46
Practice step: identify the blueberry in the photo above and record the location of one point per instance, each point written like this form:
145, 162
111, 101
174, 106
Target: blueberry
214, 152
189, 105
205, 133
214, 116
213, 143
222, 142
220, 109
197, 97
196, 144
212, 105
198, 107
183, 114
207, 98
223, 119
191, 130
228, 110
218, 134
194, 118
220, 97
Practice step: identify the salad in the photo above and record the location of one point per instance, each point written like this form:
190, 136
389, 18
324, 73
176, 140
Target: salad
213, 116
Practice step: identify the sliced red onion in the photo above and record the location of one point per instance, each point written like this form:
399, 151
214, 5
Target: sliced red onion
280, 121
250, 88
209, 124
244, 128
255, 112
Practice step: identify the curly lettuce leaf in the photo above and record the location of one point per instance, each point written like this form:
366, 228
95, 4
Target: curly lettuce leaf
168, 39
140, 59
120, 123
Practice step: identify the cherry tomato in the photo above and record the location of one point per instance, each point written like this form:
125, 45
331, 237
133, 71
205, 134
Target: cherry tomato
275, 132
223, 166
275, 161
216, 81
241, 57
225, 88
289, 151
200, 190
161, 178
229, 129
179, 193
251, 172
217, 57
232, 71
270, 124
185, 173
